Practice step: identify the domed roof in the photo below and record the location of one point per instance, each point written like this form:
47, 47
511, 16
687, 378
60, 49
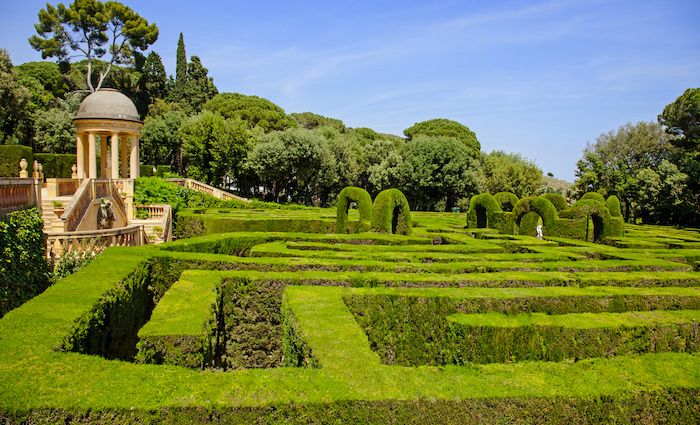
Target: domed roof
108, 104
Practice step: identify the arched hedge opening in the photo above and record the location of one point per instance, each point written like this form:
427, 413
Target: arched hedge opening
543, 207
507, 200
364, 204
481, 211
391, 213
600, 221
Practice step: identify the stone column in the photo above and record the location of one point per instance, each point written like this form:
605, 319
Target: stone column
103, 156
123, 163
134, 168
92, 153
80, 156
114, 152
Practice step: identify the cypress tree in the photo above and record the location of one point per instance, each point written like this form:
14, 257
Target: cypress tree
181, 68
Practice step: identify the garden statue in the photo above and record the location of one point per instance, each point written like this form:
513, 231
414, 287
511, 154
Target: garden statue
539, 231
105, 215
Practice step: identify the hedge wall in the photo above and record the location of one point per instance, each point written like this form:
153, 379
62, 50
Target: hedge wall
10, 156
507, 200
190, 224
56, 165
413, 331
364, 205
391, 213
490, 205
24, 271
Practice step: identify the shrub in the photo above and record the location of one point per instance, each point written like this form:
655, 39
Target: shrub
24, 271
557, 200
507, 200
391, 213
613, 204
71, 262
489, 204
364, 205
56, 165
594, 196
604, 225
9, 159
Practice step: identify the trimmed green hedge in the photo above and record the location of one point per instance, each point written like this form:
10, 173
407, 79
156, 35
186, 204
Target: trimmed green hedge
24, 271
557, 200
507, 200
594, 196
10, 155
56, 165
485, 204
413, 331
364, 205
391, 213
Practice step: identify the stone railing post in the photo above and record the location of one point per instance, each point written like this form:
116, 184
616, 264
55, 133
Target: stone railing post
23, 174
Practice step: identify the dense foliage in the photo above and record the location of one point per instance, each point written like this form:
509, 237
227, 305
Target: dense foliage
24, 271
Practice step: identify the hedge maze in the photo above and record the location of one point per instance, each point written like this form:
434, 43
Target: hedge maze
446, 324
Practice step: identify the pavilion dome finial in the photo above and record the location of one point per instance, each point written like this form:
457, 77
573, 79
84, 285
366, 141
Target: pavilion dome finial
108, 104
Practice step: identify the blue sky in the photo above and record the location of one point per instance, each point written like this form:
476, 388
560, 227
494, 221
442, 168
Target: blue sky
539, 78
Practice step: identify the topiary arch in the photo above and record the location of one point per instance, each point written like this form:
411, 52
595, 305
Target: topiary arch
364, 205
543, 207
507, 200
600, 218
481, 210
391, 213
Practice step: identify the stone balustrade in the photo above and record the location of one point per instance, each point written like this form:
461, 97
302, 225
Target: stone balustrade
19, 193
92, 241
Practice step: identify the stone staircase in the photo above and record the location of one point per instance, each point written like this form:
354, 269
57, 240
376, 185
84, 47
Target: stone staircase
51, 211
149, 228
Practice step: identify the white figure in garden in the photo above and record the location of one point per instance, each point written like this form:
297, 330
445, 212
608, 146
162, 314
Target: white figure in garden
539, 231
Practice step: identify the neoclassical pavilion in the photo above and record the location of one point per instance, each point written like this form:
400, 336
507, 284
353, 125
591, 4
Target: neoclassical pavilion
104, 114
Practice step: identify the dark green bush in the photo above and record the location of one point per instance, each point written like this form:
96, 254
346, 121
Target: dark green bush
503, 221
507, 200
485, 204
391, 213
24, 271
364, 205
613, 204
557, 200
10, 156
56, 165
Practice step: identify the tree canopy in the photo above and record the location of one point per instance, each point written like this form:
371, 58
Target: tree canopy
510, 172
446, 128
91, 29
253, 110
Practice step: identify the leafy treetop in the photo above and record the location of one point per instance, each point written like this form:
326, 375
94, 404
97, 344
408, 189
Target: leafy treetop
444, 128
253, 110
90, 29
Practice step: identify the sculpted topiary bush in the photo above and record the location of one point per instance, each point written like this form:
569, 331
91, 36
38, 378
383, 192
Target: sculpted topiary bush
364, 205
391, 213
482, 209
594, 196
507, 200
613, 204
541, 206
557, 200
